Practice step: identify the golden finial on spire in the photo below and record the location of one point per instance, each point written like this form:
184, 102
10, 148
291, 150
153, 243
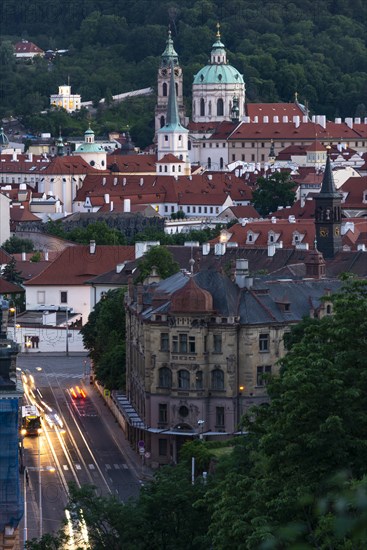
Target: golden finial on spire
218, 31
296, 97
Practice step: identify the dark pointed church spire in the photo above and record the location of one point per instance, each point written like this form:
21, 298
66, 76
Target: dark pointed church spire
172, 110
328, 185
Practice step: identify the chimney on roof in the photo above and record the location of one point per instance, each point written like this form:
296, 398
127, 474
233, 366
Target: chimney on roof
24, 257
92, 247
349, 122
275, 119
141, 183
305, 119
292, 219
111, 206
321, 119
256, 119
123, 181
30, 157
246, 119
220, 249
15, 157
210, 176
107, 198
338, 121
285, 118
127, 205
296, 120
357, 120
242, 274
206, 249
46, 255
271, 250
273, 219
119, 267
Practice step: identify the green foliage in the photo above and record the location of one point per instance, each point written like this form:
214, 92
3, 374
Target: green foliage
104, 337
115, 47
273, 191
36, 257
15, 245
314, 428
97, 231
162, 259
10, 273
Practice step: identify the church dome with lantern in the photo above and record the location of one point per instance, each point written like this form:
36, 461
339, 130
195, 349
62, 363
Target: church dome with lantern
215, 86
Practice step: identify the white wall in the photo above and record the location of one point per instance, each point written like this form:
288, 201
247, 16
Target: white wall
50, 339
79, 298
4, 218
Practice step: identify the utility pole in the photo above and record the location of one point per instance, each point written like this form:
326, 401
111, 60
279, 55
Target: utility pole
67, 332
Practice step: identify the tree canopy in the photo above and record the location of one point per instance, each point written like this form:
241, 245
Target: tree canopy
162, 259
114, 46
15, 245
104, 337
273, 191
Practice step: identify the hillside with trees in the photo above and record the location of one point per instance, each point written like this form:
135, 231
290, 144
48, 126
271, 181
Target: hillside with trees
114, 46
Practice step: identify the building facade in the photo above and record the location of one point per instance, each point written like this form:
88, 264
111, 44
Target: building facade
201, 346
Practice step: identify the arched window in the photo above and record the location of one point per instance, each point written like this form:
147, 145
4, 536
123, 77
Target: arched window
184, 379
221, 163
217, 379
173, 168
179, 168
164, 89
202, 107
220, 107
210, 108
165, 377
189, 148
176, 85
162, 121
209, 162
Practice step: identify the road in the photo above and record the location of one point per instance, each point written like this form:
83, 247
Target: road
89, 447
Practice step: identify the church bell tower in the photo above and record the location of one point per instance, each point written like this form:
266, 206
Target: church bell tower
169, 59
328, 215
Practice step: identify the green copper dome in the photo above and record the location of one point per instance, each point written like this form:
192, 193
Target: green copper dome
90, 148
218, 74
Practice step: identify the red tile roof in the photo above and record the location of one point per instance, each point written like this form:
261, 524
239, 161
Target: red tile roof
132, 164
161, 189
169, 158
288, 131
9, 288
75, 265
273, 109
27, 47
355, 189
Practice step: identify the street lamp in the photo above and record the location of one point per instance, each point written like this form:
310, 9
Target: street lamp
39, 482
13, 310
67, 332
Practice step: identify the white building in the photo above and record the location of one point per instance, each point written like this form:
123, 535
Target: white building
65, 99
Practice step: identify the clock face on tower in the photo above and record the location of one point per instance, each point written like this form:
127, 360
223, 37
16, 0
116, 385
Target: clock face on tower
164, 72
324, 231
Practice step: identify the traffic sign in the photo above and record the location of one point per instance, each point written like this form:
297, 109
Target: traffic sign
141, 443
147, 454
141, 450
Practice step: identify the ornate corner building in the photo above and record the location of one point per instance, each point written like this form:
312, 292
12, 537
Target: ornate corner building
201, 346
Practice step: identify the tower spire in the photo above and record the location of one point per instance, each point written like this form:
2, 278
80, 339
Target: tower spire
172, 109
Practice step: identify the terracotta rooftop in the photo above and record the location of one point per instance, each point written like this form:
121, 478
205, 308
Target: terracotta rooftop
77, 264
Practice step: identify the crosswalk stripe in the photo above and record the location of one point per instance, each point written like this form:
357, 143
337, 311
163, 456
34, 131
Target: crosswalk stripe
108, 467
65, 466
78, 467
125, 466
116, 466
91, 466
